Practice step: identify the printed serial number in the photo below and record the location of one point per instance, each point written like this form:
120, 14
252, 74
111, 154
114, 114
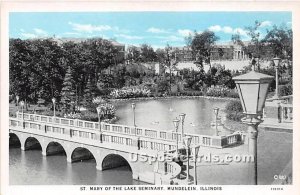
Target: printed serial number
277, 189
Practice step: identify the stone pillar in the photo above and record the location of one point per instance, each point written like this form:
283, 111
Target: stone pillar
69, 159
99, 167
44, 153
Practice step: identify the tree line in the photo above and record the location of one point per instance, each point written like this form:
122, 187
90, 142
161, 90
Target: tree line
40, 69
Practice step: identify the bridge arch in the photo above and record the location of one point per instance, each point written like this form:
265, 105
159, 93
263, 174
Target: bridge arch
81, 154
54, 148
111, 161
32, 143
14, 141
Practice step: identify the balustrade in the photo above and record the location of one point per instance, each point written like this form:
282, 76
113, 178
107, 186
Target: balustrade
156, 136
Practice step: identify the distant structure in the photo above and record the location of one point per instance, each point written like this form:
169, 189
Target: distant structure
159, 69
221, 51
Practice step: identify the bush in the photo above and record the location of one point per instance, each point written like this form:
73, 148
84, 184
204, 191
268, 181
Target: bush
234, 111
192, 93
284, 90
49, 113
130, 92
220, 91
89, 116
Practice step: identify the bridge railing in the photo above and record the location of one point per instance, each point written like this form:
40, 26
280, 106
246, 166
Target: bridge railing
127, 142
204, 140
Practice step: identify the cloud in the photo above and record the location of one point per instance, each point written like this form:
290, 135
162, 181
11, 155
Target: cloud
37, 33
71, 33
28, 35
155, 47
130, 37
156, 30
215, 28
265, 23
171, 38
240, 31
88, 28
228, 30
185, 32
40, 32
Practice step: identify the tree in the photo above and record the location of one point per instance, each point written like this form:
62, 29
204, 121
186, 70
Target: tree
134, 54
19, 69
255, 47
48, 69
36, 70
236, 39
202, 45
96, 55
280, 40
147, 53
168, 58
67, 92
89, 94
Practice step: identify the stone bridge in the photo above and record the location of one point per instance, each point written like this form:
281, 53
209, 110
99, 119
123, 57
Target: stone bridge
110, 145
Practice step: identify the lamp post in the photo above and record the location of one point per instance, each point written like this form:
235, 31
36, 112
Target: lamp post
133, 106
182, 117
176, 124
133, 110
276, 63
196, 151
22, 107
253, 88
187, 142
99, 117
216, 111
257, 63
17, 98
53, 101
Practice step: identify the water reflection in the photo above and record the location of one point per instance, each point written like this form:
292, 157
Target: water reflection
31, 168
159, 114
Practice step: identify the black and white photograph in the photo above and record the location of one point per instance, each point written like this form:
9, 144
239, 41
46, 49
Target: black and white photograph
156, 100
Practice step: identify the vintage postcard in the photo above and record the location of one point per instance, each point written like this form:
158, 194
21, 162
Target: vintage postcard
149, 97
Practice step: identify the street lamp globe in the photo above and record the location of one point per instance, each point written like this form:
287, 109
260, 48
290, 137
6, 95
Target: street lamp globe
216, 110
187, 141
176, 123
253, 88
197, 148
21, 103
133, 106
53, 100
182, 116
276, 61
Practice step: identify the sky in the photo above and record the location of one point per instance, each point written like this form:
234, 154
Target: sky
135, 28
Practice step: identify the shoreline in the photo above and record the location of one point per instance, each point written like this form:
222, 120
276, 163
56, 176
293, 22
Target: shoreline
171, 97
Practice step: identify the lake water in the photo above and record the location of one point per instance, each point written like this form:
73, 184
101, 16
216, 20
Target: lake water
30, 167
159, 114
